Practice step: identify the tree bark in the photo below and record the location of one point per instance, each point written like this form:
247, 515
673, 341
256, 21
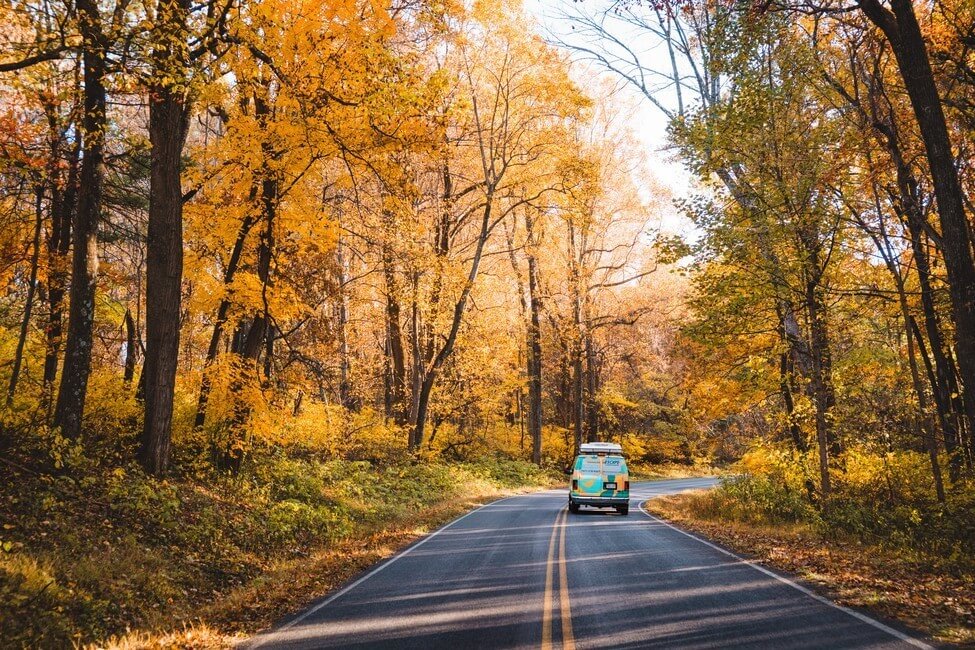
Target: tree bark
785, 386
534, 357
899, 24
345, 393
592, 391
130, 349
63, 204
394, 332
168, 124
84, 267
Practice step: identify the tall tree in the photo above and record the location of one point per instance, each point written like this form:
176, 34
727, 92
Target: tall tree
84, 266
169, 113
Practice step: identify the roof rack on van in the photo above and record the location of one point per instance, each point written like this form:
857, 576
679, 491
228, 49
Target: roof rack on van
600, 448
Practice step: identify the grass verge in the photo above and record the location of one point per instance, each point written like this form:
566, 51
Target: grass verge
909, 587
106, 557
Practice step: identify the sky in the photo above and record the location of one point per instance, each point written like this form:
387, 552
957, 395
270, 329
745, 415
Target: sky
646, 121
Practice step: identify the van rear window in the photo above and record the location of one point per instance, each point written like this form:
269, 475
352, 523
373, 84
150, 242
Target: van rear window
588, 464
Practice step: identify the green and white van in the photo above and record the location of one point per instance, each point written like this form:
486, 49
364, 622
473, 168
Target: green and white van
600, 478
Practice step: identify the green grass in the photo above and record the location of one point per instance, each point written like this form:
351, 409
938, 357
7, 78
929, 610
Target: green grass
92, 551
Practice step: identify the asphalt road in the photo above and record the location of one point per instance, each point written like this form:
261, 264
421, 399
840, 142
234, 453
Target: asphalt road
523, 573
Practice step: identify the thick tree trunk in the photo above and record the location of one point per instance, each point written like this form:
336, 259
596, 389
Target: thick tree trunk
901, 28
31, 290
84, 267
168, 125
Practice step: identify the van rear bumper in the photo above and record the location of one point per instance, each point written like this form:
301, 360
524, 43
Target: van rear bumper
603, 502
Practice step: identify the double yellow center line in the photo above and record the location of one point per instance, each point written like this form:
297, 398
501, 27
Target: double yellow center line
558, 535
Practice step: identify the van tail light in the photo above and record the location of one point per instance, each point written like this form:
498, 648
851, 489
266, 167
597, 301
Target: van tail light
626, 486
575, 484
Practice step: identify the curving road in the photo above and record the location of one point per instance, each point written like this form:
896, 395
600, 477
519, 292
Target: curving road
523, 573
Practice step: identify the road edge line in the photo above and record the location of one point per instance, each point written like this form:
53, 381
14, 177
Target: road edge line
268, 636
897, 634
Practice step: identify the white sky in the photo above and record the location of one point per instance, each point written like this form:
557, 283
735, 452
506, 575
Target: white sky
647, 122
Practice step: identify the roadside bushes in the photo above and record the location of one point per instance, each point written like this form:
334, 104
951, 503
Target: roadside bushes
883, 498
90, 545
93, 550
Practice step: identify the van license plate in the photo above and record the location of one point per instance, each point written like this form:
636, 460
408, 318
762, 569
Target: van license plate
610, 486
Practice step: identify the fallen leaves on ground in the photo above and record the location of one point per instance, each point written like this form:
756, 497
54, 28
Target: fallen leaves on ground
913, 590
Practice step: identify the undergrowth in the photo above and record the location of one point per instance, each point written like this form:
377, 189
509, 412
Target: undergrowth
881, 499
91, 547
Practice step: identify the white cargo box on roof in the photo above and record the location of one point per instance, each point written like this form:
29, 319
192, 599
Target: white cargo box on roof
601, 448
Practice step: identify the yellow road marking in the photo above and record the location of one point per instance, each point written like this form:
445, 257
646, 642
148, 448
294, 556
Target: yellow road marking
565, 609
568, 640
549, 575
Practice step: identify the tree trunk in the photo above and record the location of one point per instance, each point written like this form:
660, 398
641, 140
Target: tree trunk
901, 28
84, 267
63, 205
168, 124
130, 349
578, 336
578, 408
394, 332
926, 424
345, 396
416, 372
785, 386
534, 360
821, 383
531, 307
592, 391
460, 307
251, 344
222, 311
31, 289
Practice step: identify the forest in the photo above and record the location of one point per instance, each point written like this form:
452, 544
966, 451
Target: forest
255, 255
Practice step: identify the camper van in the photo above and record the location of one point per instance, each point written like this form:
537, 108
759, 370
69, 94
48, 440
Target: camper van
600, 478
